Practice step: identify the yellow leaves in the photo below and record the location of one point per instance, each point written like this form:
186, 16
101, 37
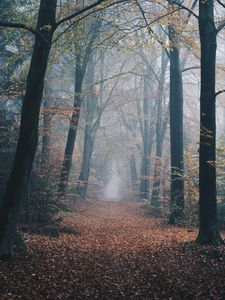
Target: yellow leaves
221, 150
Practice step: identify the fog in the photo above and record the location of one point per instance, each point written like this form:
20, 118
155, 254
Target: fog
112, 191
124, 107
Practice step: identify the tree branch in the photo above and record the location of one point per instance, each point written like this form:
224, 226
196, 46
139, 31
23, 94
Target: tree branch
185, 7
221, 26
219, 92
86, 8
151, 32
221, 3
190, 68
23, 26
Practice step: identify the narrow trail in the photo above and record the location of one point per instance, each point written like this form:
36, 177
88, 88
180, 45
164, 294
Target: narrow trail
118, 253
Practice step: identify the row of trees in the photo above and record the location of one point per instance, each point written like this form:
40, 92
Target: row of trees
91, 31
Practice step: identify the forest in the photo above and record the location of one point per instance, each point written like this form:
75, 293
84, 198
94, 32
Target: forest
112, 149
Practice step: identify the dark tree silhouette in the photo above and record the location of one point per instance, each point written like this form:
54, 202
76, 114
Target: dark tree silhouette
28, 136
176, 129
72, 133
208, 231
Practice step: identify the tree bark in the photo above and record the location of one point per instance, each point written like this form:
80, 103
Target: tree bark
28, 136
176, 130
82, 185
83, 54
208, 230
92, 120
160, 132
147, 145
46, 138
72, 133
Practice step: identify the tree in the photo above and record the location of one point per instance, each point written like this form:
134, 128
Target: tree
28, 135
147, 137
176, 116
46, 134
130, 122
176, 128
208, 228
161, 126
90, 131
83, 53
72, 133
95, 105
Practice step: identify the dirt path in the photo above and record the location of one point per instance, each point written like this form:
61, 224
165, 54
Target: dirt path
119, 253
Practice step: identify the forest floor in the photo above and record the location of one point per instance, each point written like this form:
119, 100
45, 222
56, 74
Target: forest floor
116, 252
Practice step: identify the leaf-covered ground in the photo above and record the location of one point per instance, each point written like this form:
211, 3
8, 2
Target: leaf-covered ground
119, 253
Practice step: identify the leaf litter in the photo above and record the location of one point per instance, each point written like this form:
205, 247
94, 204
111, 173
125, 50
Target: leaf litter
119, 253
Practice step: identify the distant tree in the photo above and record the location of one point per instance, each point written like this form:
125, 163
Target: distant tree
94, 106
130, 122
91, 126
161, 126
147, 137
83, 52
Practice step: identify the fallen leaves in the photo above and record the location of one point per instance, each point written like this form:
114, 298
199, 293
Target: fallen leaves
119, 254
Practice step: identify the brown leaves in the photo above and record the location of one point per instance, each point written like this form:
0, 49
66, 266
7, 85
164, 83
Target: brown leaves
119, 254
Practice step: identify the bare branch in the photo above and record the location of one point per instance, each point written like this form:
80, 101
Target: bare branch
117, 75
221, 3
87, 8
78, 12
219, 92
221, 26
192, 8
23, 26
185, 8
190, 68
151, 32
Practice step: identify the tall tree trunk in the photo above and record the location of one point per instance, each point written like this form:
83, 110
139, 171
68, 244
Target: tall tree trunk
160, 132
145, 169
45, 150
46, 137
91, 127
83, 54
176, 130
208, 231
72, 133
133, 173
82, 185
94, 108
28, 136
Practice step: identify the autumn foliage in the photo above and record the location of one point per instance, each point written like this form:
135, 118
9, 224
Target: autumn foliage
114, 252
